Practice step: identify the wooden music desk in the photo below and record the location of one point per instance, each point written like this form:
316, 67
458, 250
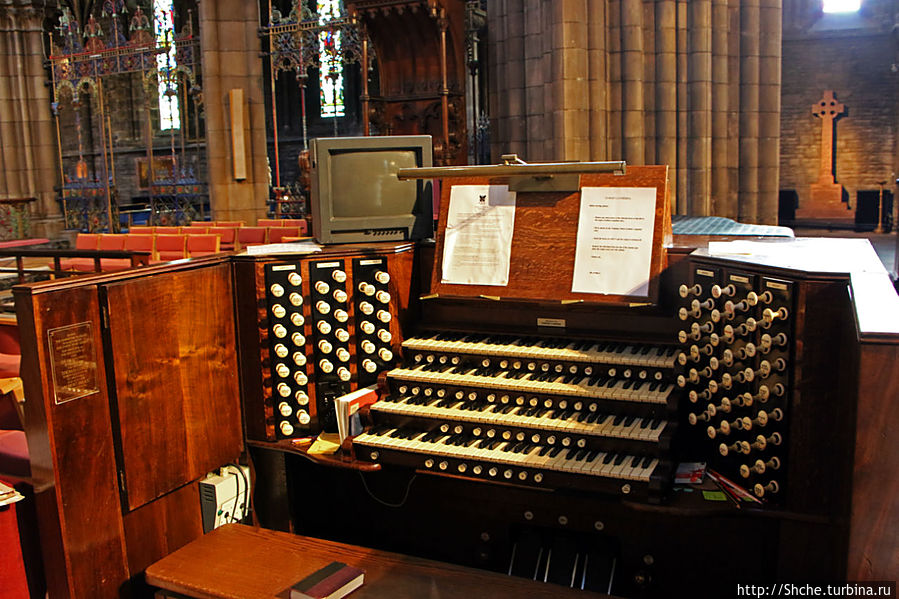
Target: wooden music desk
243, 562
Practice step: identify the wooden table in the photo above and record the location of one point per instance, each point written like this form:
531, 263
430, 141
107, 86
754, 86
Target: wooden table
243, 562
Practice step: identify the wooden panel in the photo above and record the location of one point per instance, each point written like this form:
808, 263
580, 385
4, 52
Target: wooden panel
873, 543
175, 371
162, 526
71, 445
545, 239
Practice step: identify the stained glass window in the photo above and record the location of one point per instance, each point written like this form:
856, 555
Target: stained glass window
331, 71
842, 5
164, 28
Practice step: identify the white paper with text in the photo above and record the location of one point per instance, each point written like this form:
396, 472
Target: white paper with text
479, 228
614, 241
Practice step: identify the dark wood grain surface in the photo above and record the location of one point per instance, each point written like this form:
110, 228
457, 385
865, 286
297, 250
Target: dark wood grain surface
243, 562
873, 541
545, 239
175, 362
72, 453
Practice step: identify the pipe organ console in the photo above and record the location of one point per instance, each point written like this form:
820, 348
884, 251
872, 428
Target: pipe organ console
532, 437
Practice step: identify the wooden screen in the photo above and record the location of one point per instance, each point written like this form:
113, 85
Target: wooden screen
175, 391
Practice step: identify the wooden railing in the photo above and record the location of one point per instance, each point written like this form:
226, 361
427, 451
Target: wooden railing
137, 259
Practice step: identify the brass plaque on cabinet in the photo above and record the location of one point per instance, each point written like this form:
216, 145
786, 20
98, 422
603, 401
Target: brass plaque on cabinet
73, 361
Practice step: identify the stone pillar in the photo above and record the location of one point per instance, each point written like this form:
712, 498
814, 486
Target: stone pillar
28, 154
597, 61
770, 44
666, 90
693, 84
700, 97
749, 109
632, 101
230, 49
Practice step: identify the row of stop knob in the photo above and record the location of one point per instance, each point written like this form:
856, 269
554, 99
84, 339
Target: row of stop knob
737, 341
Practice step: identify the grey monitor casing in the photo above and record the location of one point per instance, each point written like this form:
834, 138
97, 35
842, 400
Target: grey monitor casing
327, 228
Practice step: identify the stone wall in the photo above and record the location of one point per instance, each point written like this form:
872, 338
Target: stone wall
856, 57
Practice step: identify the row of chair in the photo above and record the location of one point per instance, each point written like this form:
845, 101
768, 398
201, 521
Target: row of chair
162, 248
231, 238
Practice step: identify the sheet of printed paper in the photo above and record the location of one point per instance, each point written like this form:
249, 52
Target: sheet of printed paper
479, 228
614, 240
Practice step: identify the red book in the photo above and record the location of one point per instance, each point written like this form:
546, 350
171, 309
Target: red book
334, 581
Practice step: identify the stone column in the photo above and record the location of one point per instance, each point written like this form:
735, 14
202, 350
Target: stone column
666, 90
749, 109
720, 100
632, 101
770, 44
231, 49
28, 155
700, 107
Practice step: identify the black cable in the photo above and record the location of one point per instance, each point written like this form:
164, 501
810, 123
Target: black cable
386, 503
246, 485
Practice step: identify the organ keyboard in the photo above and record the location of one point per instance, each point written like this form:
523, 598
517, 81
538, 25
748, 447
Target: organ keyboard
538, 411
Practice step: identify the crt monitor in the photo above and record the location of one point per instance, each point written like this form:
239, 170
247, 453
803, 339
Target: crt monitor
356, 196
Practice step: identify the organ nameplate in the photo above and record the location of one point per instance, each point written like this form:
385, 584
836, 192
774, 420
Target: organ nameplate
551, 322
73, 362
778, 286
284, 267
370, 262
327, 265
704, 273
739, 279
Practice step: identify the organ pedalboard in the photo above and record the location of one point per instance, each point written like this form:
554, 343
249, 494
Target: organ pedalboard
736, 341
330, 325
535, 411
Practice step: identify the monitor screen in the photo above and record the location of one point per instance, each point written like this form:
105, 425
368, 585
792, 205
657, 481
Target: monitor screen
356, 195
375, 183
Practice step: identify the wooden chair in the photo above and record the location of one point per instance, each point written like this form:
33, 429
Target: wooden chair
229, 223
202, 245
251, 236
300, 223
170, 247
227, 237
84, 241
202, 223
276, 234
112, 242
134, 243
268, 222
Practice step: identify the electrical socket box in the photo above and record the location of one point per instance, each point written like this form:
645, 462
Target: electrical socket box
225, 496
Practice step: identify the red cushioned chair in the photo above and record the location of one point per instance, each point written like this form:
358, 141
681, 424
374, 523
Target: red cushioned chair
300, 223
268, 222
276, 234
202, 245
251, 236
133, 243
141, 231
84, 241
227, 237
170, 247
229, 223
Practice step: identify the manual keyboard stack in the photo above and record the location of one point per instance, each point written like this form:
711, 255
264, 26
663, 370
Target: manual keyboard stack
536, 411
